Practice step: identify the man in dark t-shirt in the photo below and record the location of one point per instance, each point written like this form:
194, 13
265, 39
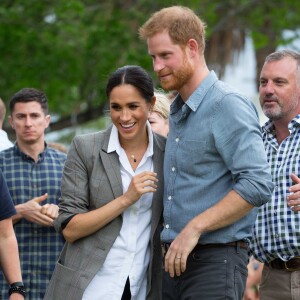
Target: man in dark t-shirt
9, 255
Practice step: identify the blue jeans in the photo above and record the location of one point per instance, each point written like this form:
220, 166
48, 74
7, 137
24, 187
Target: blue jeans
212, 273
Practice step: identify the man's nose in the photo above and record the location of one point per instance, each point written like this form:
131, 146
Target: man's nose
268, 88
158, 65
28, 121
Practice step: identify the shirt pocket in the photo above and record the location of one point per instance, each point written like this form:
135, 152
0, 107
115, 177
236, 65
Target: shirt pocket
193, 147
193, 156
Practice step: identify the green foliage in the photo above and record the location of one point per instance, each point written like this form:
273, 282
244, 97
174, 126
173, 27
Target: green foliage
69, 47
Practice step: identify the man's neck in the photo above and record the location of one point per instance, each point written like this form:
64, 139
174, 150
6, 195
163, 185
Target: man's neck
32, 150
199, 75
281, 130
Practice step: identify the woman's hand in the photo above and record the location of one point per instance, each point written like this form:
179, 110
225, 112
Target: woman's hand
140, 184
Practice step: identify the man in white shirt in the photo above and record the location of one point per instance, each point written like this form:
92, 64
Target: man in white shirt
4, 141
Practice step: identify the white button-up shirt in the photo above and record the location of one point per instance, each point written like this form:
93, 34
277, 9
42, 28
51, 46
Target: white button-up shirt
130, 254
4, 141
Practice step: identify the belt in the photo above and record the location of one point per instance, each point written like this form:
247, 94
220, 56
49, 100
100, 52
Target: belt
291, 265
237, 244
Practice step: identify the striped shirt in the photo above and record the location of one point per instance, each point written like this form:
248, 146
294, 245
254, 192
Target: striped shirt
276, 233
39, 246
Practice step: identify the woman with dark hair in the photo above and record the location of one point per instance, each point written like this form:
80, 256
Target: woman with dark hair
111, 204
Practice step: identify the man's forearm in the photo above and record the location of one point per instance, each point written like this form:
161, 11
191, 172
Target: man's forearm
230, 209
9, 253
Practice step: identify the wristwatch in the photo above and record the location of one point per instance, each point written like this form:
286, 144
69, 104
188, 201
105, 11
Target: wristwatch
17, 287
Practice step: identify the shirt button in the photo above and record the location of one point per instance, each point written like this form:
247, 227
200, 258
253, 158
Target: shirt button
177, 140
173, 169
278, 163
167, 226
170, 198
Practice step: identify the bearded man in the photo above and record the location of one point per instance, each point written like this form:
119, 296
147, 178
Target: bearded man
216, 170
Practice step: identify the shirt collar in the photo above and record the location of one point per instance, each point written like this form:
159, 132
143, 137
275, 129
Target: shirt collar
114, 143
197, 96
268, 127
24, 156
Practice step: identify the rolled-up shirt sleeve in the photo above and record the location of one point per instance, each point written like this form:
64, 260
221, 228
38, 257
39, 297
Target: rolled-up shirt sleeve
239, 141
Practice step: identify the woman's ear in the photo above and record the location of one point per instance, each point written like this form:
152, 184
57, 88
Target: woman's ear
152, 103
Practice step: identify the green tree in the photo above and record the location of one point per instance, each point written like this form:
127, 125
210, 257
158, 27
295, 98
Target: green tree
69, 47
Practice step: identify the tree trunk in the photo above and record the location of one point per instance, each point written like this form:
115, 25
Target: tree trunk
262, 52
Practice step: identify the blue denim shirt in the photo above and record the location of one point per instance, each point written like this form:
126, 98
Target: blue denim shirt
214, 146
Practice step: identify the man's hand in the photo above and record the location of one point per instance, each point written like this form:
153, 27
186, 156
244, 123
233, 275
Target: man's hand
293, 200
250, 294
50, 210
34, 212
181, 247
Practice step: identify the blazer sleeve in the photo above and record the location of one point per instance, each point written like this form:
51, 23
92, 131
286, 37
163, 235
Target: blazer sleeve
74, 187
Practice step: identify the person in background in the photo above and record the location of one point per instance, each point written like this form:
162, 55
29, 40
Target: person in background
159, 117
9, 254
33, 175
4, 141
216, 171
111, 206
276, 236
58, 146
254, 275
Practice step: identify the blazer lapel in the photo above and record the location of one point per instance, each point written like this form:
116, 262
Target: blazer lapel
158, 159
111, 165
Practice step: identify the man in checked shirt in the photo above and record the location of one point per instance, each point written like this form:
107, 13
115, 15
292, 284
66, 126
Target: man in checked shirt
33, 174
276, 236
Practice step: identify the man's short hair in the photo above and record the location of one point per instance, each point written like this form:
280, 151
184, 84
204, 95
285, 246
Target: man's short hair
180, 22
28, 95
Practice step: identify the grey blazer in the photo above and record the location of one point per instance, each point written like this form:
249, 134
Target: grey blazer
92, 178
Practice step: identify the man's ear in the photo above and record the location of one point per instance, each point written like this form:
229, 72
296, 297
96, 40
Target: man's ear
192, 47
10, 120
48, 118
